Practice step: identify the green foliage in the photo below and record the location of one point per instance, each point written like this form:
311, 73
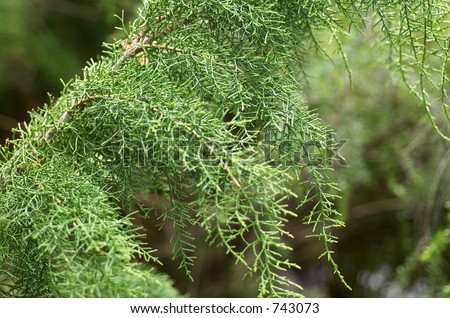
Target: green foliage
394, 190
433, 259
422, 47
198, 105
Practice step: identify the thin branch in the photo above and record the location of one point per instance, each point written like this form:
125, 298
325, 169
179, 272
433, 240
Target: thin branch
66, 115
175, 49
164, 47
138, 44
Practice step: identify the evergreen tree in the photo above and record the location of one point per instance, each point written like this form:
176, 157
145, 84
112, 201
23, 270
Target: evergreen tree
201, 105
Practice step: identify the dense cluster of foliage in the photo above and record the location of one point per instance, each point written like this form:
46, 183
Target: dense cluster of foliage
200, 106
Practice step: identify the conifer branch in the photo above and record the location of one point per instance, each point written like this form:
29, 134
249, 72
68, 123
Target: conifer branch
67, 114
173, 49
146, 39
96, 135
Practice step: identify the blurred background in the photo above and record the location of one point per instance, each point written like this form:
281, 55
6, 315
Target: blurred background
395, 188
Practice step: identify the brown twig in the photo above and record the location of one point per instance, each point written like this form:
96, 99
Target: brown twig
138, 44
65, 116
